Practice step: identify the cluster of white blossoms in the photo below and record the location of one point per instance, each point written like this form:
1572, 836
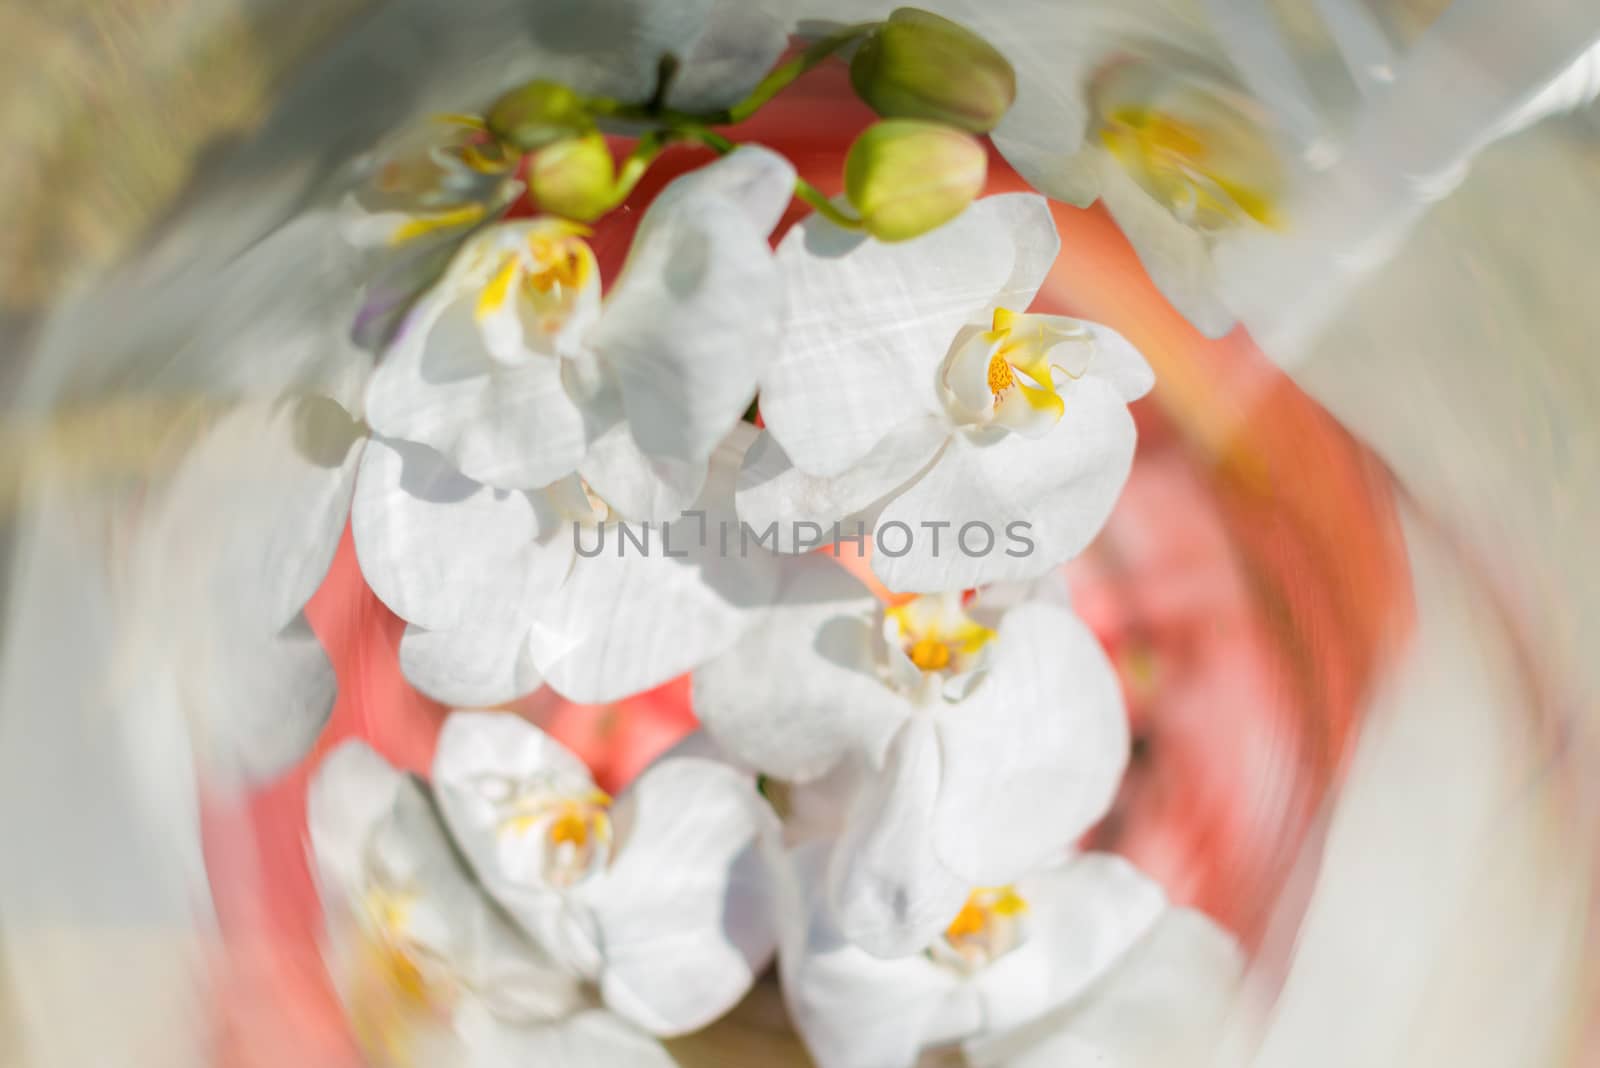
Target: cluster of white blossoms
560, 488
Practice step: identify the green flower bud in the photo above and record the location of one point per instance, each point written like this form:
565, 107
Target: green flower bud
906, 177
575, 178
918, 65
539, 114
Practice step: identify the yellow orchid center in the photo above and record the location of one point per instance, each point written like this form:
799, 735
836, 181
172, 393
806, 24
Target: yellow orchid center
936, 634
541, 279
929, 654
569, 835
1000, 376
1020, 364
424, 223
394, 988
446, 181
561, 261
1198, 153
988, 926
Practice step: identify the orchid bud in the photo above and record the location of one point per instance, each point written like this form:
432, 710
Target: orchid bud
906, 177
576, 178
918, 65
539, 114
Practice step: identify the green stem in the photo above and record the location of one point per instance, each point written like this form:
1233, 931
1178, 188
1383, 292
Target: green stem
777, 79
825, 207
710, 138
781, 77
638, 162
802, 188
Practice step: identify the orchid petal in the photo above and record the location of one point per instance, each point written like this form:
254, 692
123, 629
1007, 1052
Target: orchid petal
487, 662
640, 487
772, 491
1166, 1002
1043, 134
800, 691
853, 1009
629, 617
443, 551
891, 894
1082, 919
243, 533
511, 426
351, 793
684, 912
269, 702
254, 510
1174, 255
1033, 756
1060, 488
698, 306
870, 322
481, 757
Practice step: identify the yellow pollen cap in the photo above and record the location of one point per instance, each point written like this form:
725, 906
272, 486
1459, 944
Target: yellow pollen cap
1000, 376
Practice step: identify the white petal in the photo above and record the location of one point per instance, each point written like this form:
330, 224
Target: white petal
1034, 247
754, 181
853, 1009
266, 702
1175, 256
1060, 488
1111, 358
479, 755
891, 894
1164, 1004
627, 620
242, 535
1082, 919
372, 826
800, 692
254, 510
488, 662
443, 551
638, 486
870, 322
774, 491
624, 623
689, 325
351, 793
1043, 135
1033, 756
509, 426
685, 911
737, 47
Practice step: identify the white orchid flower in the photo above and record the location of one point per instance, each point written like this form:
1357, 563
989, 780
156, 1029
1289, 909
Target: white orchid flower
226, 552
411, 201
662, 898
1180, 153
1076, 965
514, 367
983, 739
442, 175
427, 968
912, 386
504, 589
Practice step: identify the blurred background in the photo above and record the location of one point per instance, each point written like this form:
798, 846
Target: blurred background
1351, 586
